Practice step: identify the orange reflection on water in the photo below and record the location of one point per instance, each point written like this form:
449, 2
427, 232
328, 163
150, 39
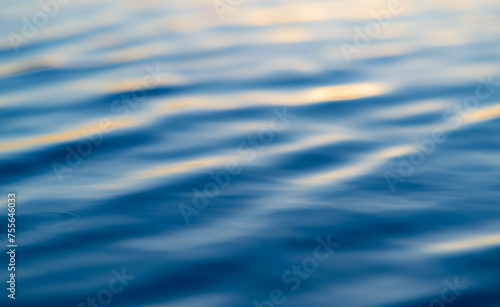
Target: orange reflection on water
30, 65
300, 12
360, 167
486, 113
346, 92
182, 167
467, 244
62, 136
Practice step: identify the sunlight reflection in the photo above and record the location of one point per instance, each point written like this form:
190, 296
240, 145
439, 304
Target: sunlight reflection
345, 92
486, 113
468, 244
61, 136
362, 166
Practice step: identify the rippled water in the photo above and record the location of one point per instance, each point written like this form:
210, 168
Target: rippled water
204, 153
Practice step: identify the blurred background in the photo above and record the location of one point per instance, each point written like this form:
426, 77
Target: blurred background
196, 153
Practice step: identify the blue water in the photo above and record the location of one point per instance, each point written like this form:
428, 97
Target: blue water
203, 161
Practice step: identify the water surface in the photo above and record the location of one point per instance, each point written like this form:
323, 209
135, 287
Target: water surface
123, 120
